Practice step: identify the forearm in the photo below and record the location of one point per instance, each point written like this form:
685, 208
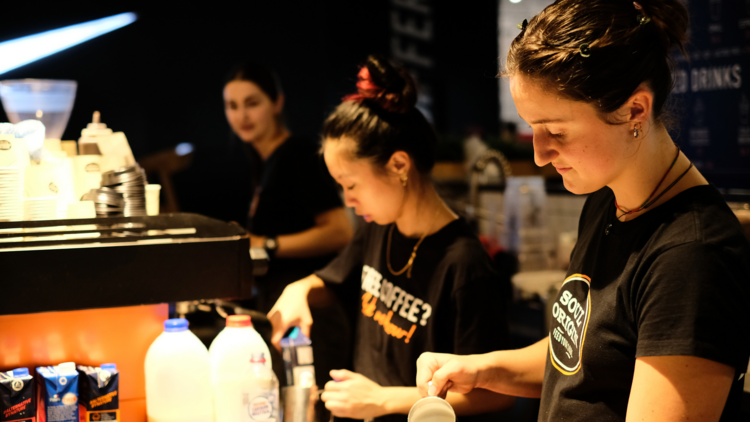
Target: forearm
399, 400
316, 241
314, 288
479, 401
514, 372
331, 233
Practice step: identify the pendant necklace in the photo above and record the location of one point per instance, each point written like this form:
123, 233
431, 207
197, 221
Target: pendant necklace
413, 256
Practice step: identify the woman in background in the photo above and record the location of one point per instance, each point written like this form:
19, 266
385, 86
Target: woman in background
296, 213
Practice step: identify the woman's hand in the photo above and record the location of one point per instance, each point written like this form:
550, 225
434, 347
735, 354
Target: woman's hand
459, 374
354, 396
257, 241
292, 310
518, 373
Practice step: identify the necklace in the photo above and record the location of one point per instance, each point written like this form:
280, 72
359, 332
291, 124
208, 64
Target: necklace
413, 256
650, 201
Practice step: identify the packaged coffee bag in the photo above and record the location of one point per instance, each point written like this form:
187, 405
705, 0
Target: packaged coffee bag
99, 393
17, 396
58, 393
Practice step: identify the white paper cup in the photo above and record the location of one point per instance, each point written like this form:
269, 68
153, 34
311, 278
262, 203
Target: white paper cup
41, 208
152, 199
432, 409
39, 181
86, 174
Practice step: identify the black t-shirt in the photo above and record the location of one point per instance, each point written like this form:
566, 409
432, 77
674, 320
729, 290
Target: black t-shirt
294, 187
453, 302
674, 281
217, 183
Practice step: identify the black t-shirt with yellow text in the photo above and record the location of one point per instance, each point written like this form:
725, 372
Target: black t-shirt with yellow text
674, 281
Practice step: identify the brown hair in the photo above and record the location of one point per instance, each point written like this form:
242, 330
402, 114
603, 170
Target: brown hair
600, 51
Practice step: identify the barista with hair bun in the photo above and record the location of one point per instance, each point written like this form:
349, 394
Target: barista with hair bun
416, 273
651, 322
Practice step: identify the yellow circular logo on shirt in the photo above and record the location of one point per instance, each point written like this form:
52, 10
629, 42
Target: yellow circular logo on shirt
568, 322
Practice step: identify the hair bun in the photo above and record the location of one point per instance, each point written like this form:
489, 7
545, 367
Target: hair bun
671, 18
388, 85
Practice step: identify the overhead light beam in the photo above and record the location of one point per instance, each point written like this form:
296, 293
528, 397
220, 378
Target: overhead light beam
21, 51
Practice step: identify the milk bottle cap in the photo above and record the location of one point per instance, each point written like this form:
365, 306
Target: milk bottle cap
109, 367
175, 325
20, 372
239, 321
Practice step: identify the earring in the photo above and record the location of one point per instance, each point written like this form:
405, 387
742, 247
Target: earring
404, 179
636, 130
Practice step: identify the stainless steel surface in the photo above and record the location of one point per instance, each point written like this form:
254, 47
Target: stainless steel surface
131, 183
300, 404
489, 156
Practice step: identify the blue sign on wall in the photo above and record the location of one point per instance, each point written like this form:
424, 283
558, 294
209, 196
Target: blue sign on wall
712, 93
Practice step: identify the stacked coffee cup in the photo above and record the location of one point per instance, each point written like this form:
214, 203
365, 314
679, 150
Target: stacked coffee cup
107, 202
131, 183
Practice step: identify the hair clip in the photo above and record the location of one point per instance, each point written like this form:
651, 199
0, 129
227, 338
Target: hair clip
584, 50
641, 19
522, 25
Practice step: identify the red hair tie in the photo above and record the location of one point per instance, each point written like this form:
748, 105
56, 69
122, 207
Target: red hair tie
367, 89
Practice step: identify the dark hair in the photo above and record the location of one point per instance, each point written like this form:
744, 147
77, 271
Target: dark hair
599, 51
258, 74
382, 118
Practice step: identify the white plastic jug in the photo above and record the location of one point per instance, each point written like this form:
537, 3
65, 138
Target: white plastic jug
230, 354
178, 376
260, 392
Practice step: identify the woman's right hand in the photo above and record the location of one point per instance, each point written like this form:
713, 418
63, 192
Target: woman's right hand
459, 374
291, 310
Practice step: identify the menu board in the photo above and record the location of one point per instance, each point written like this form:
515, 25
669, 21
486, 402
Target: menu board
712, 93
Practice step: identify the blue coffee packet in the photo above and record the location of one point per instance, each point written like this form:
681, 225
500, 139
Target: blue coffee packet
59, 402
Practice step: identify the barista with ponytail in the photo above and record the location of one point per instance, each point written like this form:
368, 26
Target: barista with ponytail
651, 323
417, 275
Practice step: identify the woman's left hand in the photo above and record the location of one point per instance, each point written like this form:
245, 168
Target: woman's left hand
353, 396
257, 241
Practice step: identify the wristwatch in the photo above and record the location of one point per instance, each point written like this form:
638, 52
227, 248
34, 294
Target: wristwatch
270, 245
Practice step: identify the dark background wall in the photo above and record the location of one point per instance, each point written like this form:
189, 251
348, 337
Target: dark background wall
713, 95
159, 80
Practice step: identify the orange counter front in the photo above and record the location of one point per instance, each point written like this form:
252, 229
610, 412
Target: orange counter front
90, 337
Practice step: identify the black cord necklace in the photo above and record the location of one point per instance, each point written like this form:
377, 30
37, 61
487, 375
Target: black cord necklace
650, 201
